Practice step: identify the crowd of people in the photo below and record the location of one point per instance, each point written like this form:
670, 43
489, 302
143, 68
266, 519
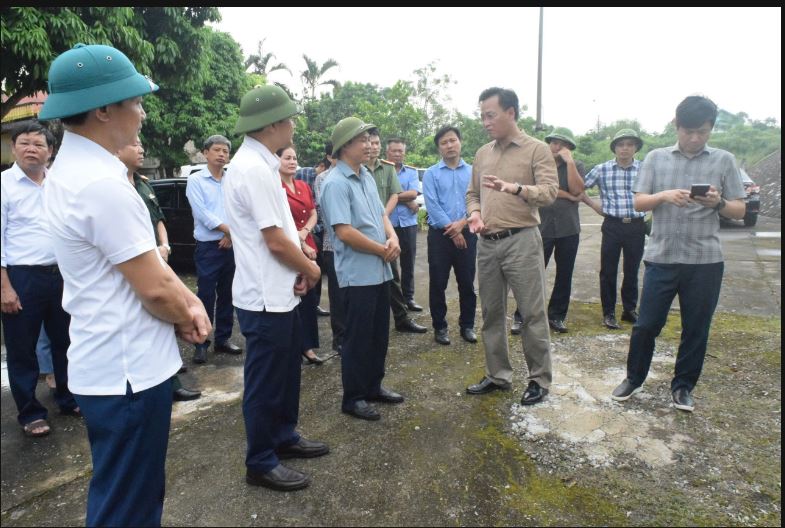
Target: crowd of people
84, 251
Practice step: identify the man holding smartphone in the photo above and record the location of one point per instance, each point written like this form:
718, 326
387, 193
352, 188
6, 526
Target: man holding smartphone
684, 255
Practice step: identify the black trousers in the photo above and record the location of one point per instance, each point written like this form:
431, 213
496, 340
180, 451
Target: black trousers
337, 310
407, 237
442, 257
618, 237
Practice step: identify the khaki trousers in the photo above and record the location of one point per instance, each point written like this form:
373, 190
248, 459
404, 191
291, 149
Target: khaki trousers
516, 263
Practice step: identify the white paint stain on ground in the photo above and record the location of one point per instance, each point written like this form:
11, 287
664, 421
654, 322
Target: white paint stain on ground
580, 412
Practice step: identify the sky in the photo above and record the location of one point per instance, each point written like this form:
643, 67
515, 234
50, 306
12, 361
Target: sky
599, 64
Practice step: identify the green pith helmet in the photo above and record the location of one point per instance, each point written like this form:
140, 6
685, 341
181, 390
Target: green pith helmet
88, 77
346, 130
263, 106
562, 134
626, 133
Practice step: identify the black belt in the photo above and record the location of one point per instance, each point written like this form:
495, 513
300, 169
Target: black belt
627, 220
49, 268
503, 234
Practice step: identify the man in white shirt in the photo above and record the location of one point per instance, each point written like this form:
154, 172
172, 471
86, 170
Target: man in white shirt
272, 274
125, 302
32, 287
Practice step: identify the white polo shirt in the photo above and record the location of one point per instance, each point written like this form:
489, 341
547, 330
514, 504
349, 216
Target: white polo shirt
254, 199
24, 228
98, 220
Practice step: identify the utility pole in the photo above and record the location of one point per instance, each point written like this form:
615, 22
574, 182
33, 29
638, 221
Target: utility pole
538, 126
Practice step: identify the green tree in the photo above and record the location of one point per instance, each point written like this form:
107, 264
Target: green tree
181, 112
313, 74
161, 41
259, 63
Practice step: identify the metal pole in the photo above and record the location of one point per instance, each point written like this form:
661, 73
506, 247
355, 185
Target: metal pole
538, 126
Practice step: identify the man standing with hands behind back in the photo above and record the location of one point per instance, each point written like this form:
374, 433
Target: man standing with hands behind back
512, 176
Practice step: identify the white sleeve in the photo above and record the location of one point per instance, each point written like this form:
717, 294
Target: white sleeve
263, 197
115, 220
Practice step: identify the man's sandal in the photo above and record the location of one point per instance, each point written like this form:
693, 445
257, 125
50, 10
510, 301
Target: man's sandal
36, 428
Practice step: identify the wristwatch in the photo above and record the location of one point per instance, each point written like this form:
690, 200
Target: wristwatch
520, 188
720, 205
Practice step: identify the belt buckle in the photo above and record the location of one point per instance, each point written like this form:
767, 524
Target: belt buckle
627, 220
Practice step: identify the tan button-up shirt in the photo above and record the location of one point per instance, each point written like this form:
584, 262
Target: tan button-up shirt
525, 160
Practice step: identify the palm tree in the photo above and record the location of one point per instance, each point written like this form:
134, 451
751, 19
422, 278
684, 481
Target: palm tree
312, 76
260, 63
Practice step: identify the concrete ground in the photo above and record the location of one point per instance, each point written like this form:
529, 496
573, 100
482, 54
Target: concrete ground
440, 458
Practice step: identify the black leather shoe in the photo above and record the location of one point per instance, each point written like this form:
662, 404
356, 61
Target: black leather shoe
624, 391
515, 327
411, 327
469, 335
183, 394
610, 322
630, 317
303, 449
228, 348
280, 478
682, 399
321, 311
485, 386
362, 410
413, 306
441, 336
557, 325
534, 393
200, 353
386, 396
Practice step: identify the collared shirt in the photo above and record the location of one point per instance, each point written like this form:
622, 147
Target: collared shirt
402, 216
386, 179
24, 227
444, 189
689, 234
255, 200
205, 194
525, 160
300, 205
561, 218
327, 244
147, 194
98, 221
615, 183
354, 200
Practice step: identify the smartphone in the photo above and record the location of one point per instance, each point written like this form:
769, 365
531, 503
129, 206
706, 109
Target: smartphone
699, 189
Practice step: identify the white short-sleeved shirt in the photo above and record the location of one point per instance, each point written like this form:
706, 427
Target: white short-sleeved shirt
254, 199
24, 229
97, 220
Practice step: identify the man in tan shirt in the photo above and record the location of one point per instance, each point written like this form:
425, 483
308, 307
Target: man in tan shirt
512, 177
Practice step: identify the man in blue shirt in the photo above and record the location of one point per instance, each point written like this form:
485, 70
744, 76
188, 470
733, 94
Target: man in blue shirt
623, 228
213, 257
404, 217
365, 243
450, 243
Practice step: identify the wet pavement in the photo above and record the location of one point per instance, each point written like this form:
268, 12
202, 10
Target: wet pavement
440, 458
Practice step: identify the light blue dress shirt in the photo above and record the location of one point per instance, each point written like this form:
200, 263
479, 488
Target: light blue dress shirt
402, 216
206, 196
444, 190
348, 199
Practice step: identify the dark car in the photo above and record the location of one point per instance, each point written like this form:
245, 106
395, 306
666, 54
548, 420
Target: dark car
752, 200
179, 220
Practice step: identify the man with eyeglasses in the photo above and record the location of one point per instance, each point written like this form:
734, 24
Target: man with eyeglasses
512, 176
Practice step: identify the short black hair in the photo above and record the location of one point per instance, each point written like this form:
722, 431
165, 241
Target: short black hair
75, 120
507, 98
695, 110
328, 148
374, 132
216, 139
442, 131
280, 150
33, 127
395, 139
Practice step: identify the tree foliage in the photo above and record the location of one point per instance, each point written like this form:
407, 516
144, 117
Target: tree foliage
161, 41
313, 76
260, 63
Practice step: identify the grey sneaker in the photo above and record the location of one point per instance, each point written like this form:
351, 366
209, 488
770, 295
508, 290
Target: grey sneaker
624, 391
683, 400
